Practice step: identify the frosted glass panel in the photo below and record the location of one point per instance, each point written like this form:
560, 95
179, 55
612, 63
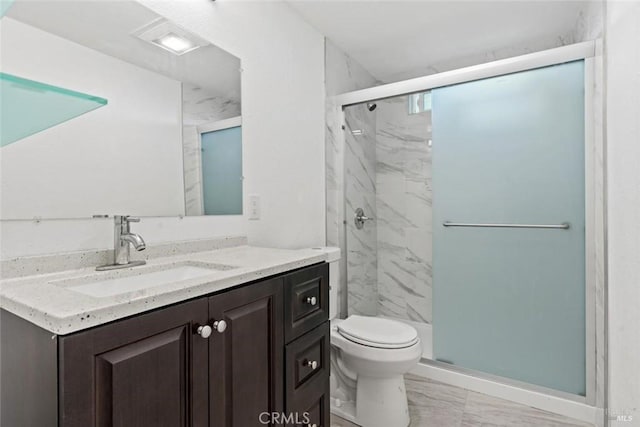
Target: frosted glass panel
222, 171
29, 106
511, 301
4, 6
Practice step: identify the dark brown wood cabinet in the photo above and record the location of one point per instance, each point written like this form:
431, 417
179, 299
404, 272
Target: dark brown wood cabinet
267, 352
307, 368
307, 337
246, 358
316, 408
148, 370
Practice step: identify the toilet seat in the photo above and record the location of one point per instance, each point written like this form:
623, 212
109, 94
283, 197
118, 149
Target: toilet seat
377, 332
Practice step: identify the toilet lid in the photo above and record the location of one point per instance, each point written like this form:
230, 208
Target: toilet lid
377, 332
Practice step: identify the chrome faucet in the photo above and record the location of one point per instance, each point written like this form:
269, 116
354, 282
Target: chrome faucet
123, 237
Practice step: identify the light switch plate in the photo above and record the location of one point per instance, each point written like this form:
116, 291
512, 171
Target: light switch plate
254, 206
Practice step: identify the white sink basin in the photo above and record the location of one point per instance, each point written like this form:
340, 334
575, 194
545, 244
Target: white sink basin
140, 278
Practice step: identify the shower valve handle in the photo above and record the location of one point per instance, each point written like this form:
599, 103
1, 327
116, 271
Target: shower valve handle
360, 218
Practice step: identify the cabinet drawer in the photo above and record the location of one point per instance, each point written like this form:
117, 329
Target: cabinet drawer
315, 411
307, 366
307, 300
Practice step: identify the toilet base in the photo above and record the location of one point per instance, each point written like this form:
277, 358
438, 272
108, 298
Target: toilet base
344, 409
343, 397
382, 402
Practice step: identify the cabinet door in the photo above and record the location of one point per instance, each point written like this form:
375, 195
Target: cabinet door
314, 411
148, 370
246, 358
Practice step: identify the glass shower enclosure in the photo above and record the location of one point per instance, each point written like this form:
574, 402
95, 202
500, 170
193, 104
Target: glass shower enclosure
476, 195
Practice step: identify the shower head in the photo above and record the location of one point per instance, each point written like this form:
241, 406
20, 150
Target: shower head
371, 106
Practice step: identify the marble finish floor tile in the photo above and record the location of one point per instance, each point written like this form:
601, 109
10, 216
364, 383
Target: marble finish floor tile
341, 422
435, 404
483, 410
432, 403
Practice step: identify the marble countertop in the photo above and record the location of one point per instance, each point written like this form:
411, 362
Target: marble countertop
46, 301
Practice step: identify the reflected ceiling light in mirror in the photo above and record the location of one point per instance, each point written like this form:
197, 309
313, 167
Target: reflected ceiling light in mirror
169, 37
174, 43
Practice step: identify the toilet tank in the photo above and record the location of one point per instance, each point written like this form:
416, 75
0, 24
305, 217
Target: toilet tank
333, 259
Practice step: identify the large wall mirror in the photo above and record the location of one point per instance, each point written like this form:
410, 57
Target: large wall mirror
109, 108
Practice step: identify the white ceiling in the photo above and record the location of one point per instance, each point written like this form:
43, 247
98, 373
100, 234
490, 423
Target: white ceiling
396, 39
107, 27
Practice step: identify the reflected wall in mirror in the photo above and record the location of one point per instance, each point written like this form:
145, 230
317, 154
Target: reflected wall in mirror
167, 142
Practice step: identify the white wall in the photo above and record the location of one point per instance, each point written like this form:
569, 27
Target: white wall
622, 38
98, 163
23, 238
283, 132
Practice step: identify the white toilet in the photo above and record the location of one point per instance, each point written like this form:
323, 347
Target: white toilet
369, 356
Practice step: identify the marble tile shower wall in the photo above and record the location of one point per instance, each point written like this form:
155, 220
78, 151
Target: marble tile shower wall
192, 171
403, 205
342, 74
590, 26
360, 189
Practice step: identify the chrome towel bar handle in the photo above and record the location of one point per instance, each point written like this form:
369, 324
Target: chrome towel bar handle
563, 226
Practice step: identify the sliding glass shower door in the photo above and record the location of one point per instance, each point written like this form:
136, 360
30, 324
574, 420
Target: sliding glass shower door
509, 226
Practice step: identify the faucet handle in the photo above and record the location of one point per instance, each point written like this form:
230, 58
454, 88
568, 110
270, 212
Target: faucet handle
131, 219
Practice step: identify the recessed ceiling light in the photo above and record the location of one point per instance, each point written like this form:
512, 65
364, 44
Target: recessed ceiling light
169, 36
174, 43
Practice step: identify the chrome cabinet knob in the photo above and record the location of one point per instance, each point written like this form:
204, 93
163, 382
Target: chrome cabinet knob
204, 331
313, 364
220, 325
311, 300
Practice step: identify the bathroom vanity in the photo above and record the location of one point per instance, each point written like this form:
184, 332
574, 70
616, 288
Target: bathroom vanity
209, 336
234, 353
